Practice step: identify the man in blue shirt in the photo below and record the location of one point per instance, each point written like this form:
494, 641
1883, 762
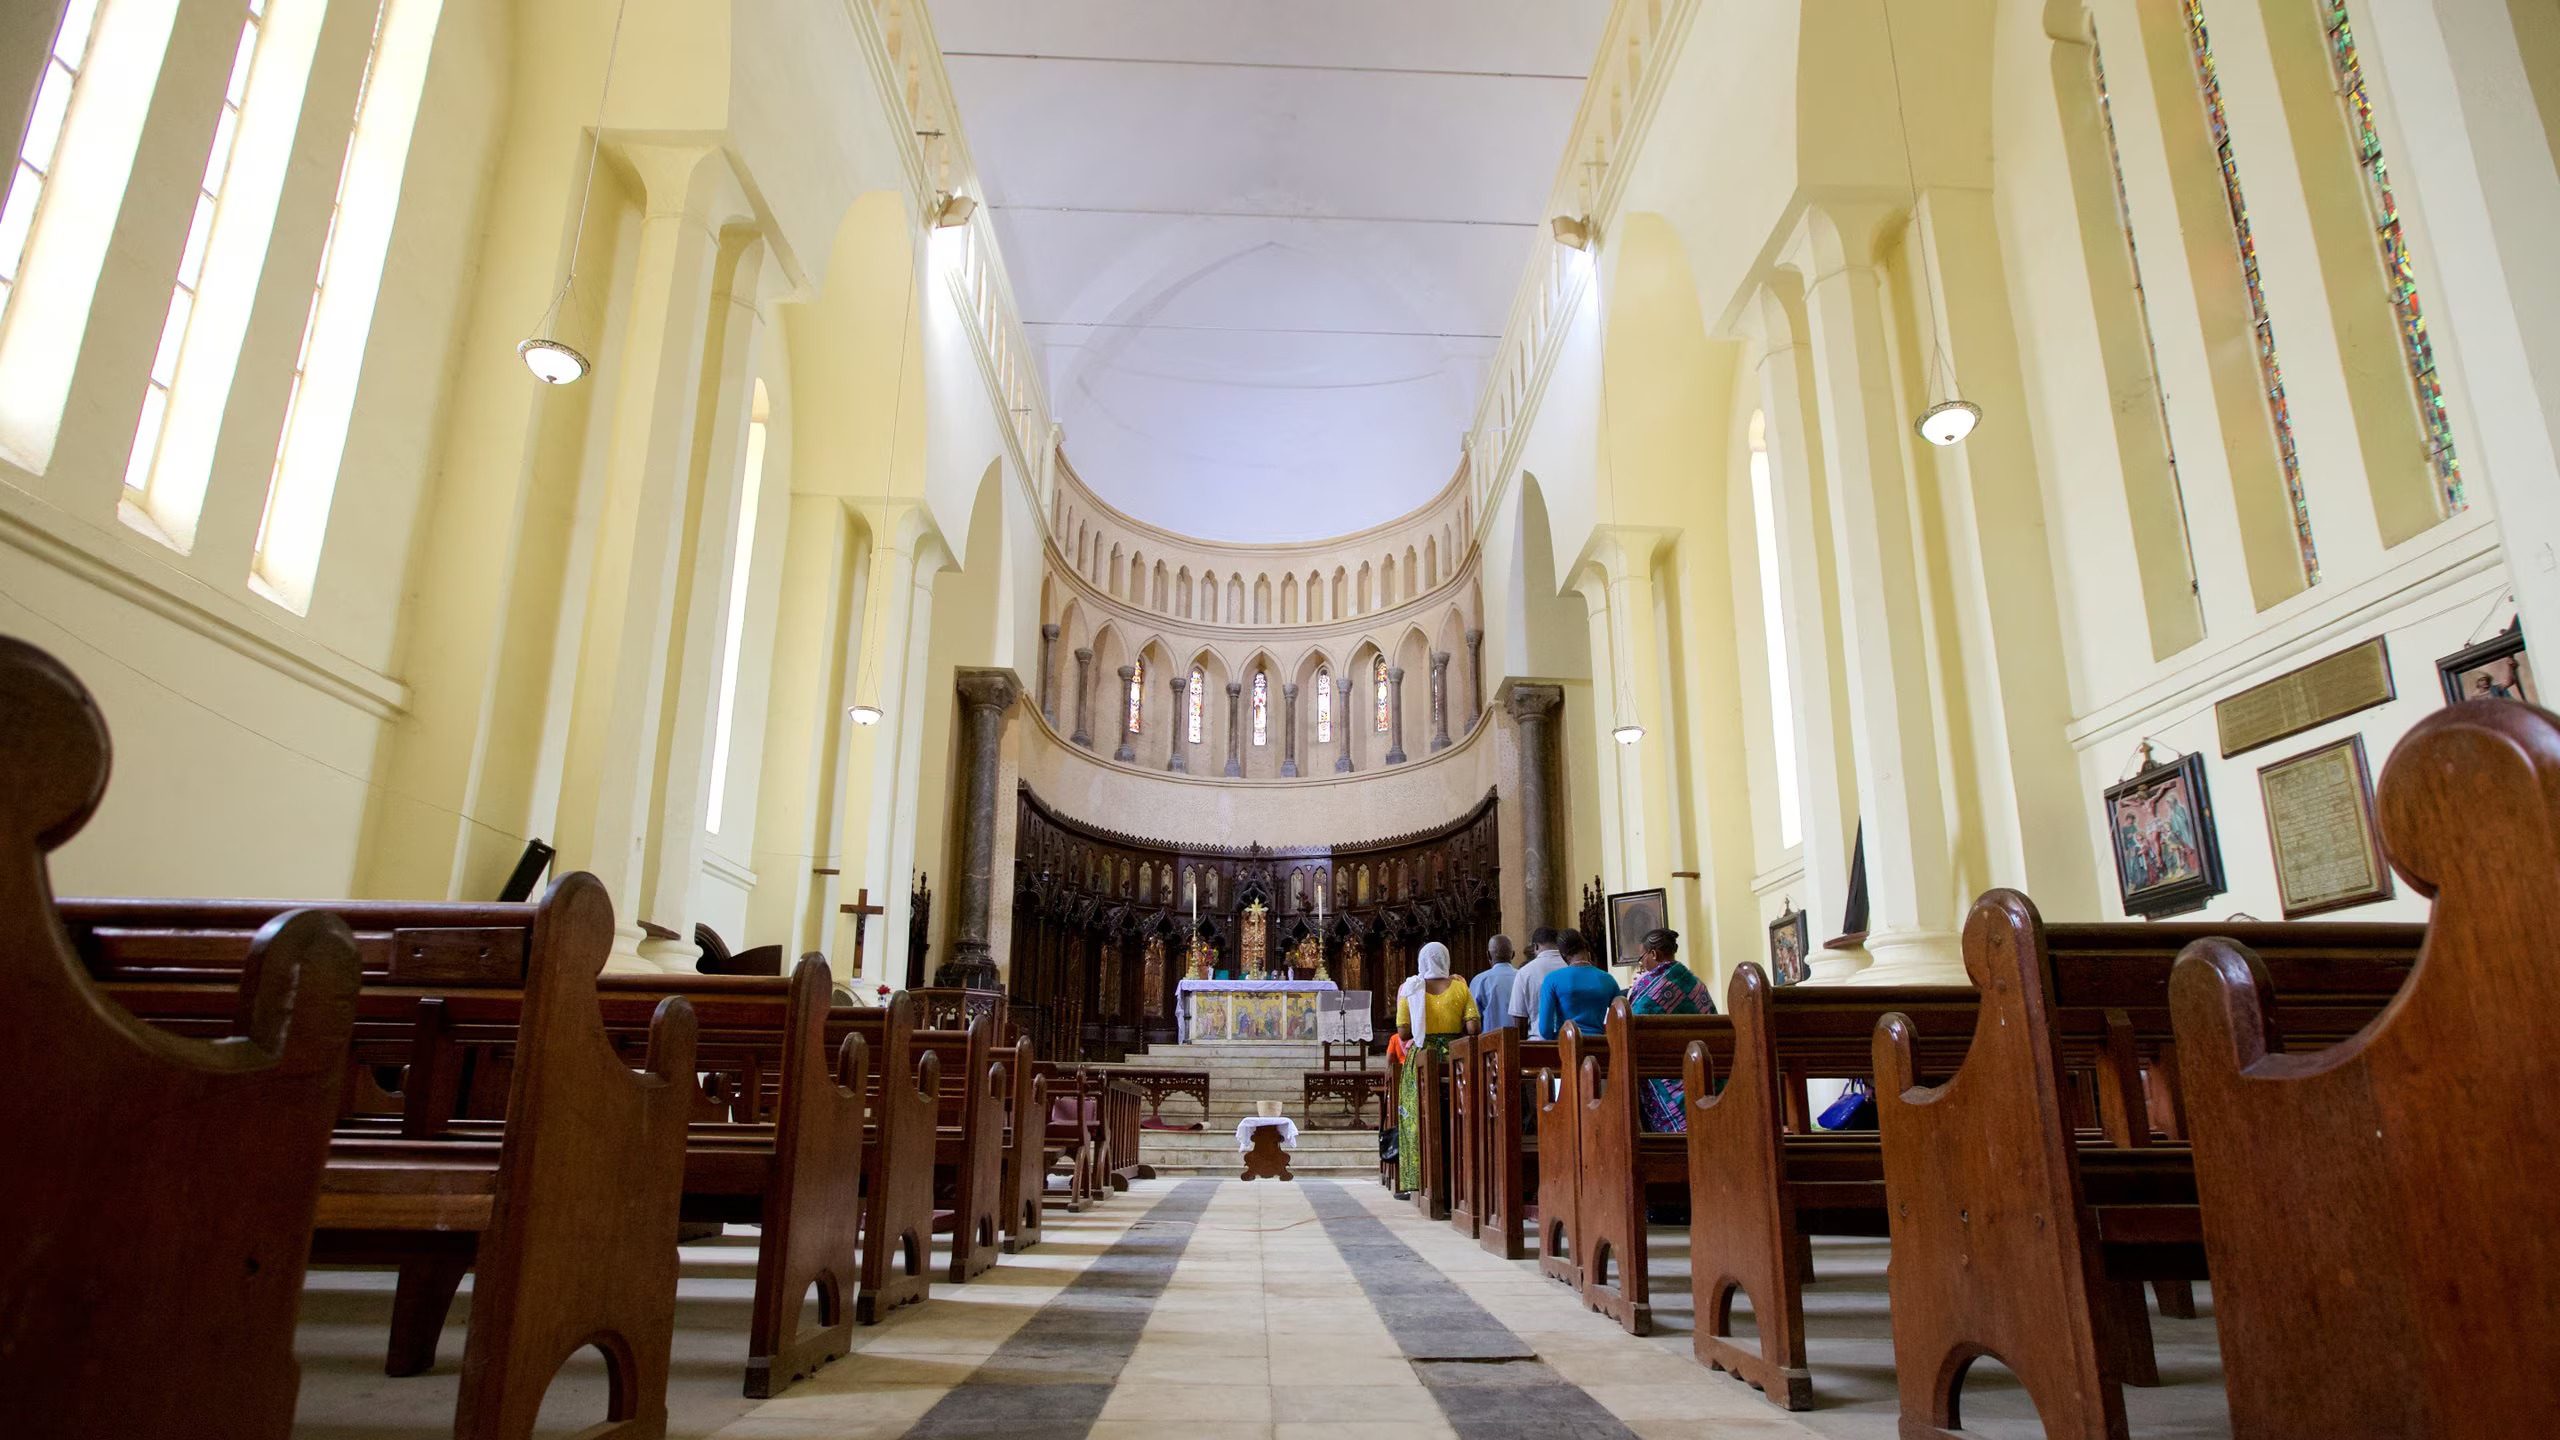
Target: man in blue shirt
1543, 961
1579, 993
1492, 988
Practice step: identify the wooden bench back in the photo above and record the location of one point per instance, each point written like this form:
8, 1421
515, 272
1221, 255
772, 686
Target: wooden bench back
2367, 1204
151, 1177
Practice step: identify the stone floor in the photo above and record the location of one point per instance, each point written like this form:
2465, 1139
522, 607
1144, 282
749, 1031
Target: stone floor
1209, 1308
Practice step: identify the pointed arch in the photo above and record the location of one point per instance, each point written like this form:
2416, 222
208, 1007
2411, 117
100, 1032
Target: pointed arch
1412, 572
1289, 598
1161, 598
1209, 595
1182, 592
1430, 561
1261, 599
1235, 599
1387, 581
1119, 586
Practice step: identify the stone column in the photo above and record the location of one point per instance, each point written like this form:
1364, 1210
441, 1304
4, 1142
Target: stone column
1235, 740
1342, 724
1475, 679
1181, 728
1439, 699
1534, 710
1128, 750
1395, 715
1049, 673
986, 698
1084, 698
1289, 730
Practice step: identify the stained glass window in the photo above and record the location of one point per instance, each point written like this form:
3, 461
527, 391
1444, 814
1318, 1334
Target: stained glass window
1261, 707
1324, 705
1382, 694
1137, 694
2272, 373
1198, 684
2398, 271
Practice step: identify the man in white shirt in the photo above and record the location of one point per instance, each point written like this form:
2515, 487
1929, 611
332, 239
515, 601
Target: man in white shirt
1544, 960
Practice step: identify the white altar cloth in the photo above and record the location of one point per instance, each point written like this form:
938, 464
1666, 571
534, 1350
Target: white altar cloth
1250, 1123
1274, 1011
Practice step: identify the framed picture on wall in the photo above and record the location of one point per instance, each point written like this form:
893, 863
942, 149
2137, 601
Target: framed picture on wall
2168, 859
2495, 669
2320, 822
1788, 940
1631, 914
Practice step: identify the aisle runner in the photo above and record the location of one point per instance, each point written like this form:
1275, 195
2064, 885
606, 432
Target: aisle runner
1488, 1384
1084, 1337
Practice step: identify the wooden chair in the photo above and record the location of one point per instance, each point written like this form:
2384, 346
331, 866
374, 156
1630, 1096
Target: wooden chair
159, 1209
2379, 1213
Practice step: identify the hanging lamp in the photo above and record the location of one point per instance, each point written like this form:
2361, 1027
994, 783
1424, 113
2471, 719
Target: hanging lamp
552, 360
1948, 417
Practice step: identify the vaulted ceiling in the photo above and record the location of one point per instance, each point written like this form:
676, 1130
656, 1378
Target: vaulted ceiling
1266, 247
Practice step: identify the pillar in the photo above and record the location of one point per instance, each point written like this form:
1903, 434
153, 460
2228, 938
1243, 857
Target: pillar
1342, 724
1535, 709
1911, 930
1289, 730
1235, 740
1181, 728
986, 698
1084, 698
1475, 678
1049, 673
1395, 715
1128, 750
1439, 699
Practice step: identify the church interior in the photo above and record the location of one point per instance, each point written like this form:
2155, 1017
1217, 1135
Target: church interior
1126, 718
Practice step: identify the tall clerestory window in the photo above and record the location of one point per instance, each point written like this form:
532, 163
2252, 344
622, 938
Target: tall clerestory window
1324, 704
171, 499
321, 400
1261, 707
1380, 678
2399, 272
751, 487
1192, 703
1137, 695
2133, 262
2209, 83
43, 145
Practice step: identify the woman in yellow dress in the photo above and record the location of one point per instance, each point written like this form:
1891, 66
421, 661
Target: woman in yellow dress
1434, 1009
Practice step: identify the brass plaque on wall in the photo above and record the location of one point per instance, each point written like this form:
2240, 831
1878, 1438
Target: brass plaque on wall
2341, 684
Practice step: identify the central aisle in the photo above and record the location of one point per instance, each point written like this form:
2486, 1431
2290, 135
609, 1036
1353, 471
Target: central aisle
1209, 1308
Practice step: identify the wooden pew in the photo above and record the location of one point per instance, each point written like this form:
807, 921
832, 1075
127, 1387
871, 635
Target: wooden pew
1507, 1066
1466, 1138
1023, 1190
1122, 1132
2017, 1232
975, 1090
1761, 1179
904, 1092
1074, 1134
162, 1190
565, 1213
1620, 1159
1431, 1133
1559, 1167
2379, 1214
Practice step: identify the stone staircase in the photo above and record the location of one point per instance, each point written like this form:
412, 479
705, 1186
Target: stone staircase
1241, 1074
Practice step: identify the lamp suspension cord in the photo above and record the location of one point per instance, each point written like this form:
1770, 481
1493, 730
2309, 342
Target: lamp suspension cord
1911, 181
879, 532
587, 191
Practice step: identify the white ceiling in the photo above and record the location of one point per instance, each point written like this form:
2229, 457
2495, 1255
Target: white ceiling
1266, 247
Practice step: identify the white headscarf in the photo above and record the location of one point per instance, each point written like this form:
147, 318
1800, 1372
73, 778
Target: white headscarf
1432, 964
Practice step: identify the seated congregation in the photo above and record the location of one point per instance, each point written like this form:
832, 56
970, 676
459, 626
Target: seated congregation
2323, 1133
207, 1096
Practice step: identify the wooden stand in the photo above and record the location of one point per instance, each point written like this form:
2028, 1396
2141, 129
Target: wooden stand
1266, 1160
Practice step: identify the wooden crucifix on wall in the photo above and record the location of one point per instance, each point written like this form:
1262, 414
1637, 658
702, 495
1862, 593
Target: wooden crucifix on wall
861, 910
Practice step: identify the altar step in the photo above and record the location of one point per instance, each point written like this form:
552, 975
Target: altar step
1242, 1075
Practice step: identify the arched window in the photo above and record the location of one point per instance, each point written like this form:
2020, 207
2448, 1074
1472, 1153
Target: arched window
1261, 707
1382, 694
1324, 705
1199, 682
751, 486
1137, 695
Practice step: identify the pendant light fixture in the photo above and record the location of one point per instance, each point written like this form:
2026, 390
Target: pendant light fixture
1948, 417
552, 360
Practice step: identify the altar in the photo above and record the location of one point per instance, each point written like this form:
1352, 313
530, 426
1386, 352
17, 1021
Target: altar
1273, 1011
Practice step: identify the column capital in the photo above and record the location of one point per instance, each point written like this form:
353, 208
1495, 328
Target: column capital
1439, 659
1395, 674
1084, 656
1127, 672
1180, 683
988, 689
1288, 689
1532, 699
1475, 635
1049, 632
1234, 688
